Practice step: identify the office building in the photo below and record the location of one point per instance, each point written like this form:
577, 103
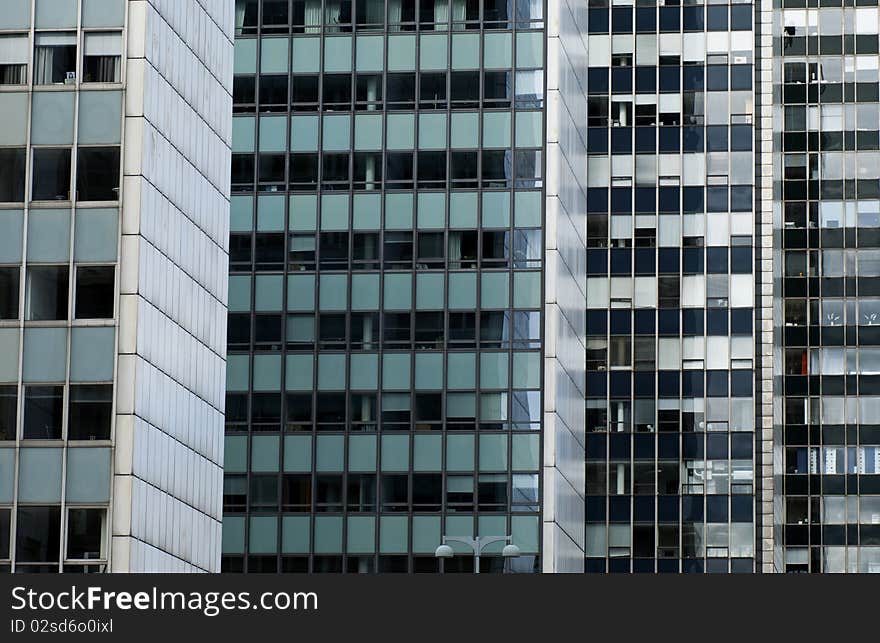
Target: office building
114, 182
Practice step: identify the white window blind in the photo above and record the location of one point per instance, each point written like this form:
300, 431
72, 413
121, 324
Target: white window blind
103, 44
55, 39
13, 50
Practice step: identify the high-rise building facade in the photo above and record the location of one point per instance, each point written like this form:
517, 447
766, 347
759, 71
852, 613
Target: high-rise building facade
114, 197
827, 211
389, 350
597, 275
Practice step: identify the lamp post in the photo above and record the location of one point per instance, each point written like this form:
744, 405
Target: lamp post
477, 544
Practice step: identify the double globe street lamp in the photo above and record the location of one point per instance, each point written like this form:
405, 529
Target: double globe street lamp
477, 544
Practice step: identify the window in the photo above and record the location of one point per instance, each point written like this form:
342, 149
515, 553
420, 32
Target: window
296, 493
97, 174
234, 493
43, 411
102, 58
51, 180
38, 535
12, 171
361, 492
54, 58
47, 288
13, 60
8, 410
329, 493
85, 534
90, 412
94, 292
5, 524
9, 292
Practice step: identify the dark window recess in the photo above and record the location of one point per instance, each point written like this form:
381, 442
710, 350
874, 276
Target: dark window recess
337, 91
85, 534
5, 524
9, 292
51, 180
38, 534
304, 92
12, 172
43, 411
401, 91
47, 291
90, 412
432, 91
94, 292
54, 58
234, 493
8, 409
97, 174
244, 92
273, 92
243, 171
100, 68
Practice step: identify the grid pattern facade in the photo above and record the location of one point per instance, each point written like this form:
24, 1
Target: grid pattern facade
386, 252
829, 370
670, 408
114, 202
61, 108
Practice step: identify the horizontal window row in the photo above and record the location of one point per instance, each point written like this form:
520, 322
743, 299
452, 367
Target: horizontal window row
427, 51
396, 411
860, 262
714, 476
691, 510
831, 460
305, 16
622, 77
854, 144
832, 410
801, 45
722, 384
87, 413
688, 260
38, 539
48, 292
455, 250
669, 199
499, 130
833, 510
369, 492
832, 312
624, 416
369, 331
673, 322
714, 17
689, 564
426, 563
830, 190
831, 93
56, 58
832, 560
394, 170
329, 292
392, 91
712, 138
97, 175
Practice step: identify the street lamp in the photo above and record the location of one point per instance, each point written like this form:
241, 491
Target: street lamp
477, 544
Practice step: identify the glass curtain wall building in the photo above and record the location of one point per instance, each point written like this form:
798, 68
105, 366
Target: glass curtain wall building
829, 212
387, 254
114, 183
596, 275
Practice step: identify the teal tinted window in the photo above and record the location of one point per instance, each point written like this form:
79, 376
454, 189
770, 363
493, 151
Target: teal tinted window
432, 131
273, 55
52, 118
96, 235
39, 475
49, 235
337, 54
103, 13
271, 213
304, 133
269, 292
14, 112
369, 53
100, 118
91, 354
465, 51
401, 53
497, 50
305, 55
88, 475
267, 372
